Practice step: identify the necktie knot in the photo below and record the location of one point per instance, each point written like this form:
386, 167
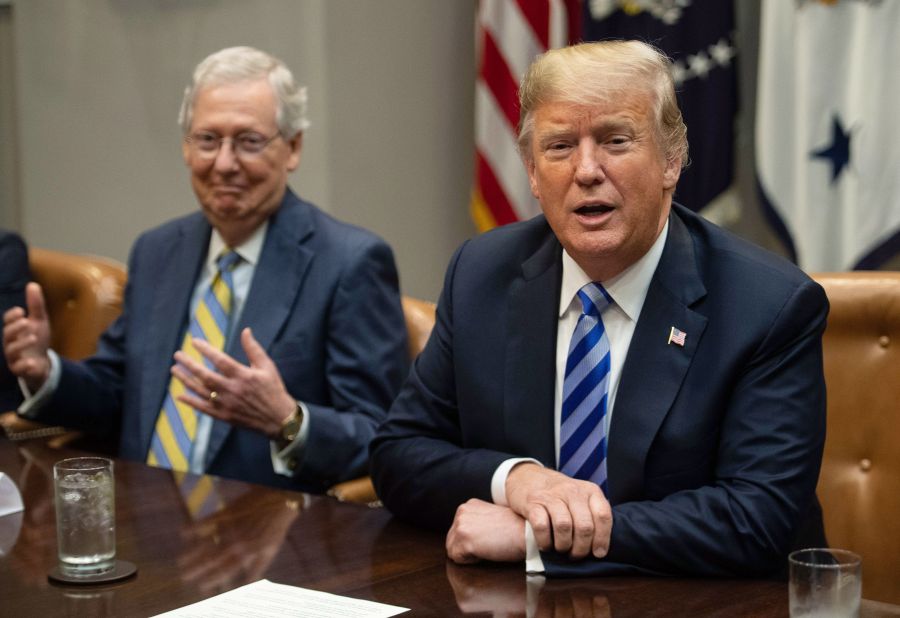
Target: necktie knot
594, 299
227, 261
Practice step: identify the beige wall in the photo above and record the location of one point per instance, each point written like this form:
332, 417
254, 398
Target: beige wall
9, 200
98, 84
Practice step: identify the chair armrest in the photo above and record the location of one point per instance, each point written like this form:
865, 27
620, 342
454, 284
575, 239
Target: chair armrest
359, 491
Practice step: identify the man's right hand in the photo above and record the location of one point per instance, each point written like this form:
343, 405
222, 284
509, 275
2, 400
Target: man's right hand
566, 515
26, 339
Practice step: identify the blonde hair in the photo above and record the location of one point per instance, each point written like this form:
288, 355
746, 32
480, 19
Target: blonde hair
600, 72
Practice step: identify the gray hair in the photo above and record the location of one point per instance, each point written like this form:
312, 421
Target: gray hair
237, 64
599, 72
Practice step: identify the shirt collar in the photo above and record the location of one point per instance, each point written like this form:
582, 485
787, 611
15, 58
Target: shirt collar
249, 250
627, 289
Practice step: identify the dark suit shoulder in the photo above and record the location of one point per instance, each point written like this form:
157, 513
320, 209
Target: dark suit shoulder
304, 218
11, 240
172, 227
14, 257
720, 254
507, 251
521, 238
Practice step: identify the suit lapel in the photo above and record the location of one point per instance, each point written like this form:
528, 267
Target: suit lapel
531, 354
175, 284
639, 408
283, 263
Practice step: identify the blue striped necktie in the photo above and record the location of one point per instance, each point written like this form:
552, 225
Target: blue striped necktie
176, 425
582, 435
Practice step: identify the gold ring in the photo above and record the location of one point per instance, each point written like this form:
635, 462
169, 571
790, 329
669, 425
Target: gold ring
212, 396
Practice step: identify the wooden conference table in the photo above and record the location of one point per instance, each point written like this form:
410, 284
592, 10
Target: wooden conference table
187, 550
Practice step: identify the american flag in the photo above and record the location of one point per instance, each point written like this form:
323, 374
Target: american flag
677, 336
511, 33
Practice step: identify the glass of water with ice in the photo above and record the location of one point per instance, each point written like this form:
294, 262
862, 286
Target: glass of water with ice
85, 515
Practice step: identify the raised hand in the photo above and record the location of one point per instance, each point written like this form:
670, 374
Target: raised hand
251, 396
26, 339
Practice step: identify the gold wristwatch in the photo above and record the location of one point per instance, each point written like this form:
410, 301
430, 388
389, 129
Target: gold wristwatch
290, 428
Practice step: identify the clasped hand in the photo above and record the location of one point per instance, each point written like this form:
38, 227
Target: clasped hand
252, 396
566, 515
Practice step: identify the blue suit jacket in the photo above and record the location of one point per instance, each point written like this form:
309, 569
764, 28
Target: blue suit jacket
324, 303
714, 447
14, 275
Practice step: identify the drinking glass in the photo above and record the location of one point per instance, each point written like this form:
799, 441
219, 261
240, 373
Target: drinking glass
825, 582
85, 515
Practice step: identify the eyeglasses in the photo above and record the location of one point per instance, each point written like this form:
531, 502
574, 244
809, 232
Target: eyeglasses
248, 144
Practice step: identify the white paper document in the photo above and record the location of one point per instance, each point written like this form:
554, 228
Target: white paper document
263, 599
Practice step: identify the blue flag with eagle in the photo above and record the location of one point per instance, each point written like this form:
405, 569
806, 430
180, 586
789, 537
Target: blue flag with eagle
827, 132
699, 37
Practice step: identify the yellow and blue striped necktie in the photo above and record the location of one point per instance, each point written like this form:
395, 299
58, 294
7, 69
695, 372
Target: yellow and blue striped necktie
176, 425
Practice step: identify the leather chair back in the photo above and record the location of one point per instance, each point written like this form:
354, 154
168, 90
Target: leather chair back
83, 296
419, 316
859, 486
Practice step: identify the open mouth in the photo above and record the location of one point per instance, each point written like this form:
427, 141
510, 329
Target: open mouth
593, 209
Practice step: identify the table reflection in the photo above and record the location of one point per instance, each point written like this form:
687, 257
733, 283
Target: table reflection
34, 545
90, 601
227, 535
493, 592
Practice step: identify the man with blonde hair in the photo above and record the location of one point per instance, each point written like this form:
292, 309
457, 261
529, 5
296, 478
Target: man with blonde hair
616, 385
285, 324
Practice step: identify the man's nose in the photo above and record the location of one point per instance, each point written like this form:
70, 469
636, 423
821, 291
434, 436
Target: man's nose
589, 164
226, 159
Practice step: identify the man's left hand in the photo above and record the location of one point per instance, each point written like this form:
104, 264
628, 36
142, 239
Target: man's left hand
567, 515
252, 396
485, 531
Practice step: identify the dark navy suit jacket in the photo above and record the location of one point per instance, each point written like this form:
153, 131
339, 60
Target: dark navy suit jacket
324, 303
714, 447
14, 275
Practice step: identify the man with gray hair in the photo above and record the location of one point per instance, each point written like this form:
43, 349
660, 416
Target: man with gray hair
286, 327
616, 385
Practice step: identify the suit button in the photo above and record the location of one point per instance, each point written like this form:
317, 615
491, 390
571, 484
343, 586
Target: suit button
865, 464
884, 341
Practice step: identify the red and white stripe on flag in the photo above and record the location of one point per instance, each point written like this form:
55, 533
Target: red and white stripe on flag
511, 33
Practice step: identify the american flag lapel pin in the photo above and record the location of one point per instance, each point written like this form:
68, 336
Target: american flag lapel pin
677, 337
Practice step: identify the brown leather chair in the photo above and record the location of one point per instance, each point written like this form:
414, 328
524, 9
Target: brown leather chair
419, 316
859, 486
83, 294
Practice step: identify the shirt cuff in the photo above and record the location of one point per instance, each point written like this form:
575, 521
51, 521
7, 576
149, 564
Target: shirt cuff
533, 561
498, 480
284, 461
34, 402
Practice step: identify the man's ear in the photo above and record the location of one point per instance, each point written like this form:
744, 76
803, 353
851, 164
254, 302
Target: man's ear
672, 173
186, 152
296, 145
532, 179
